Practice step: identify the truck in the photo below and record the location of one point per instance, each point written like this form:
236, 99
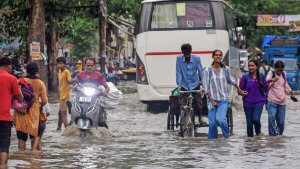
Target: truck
286, 49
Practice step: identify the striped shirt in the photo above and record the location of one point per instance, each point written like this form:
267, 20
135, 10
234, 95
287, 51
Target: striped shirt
217, 84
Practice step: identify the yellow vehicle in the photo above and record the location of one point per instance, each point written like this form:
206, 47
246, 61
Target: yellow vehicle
129, 74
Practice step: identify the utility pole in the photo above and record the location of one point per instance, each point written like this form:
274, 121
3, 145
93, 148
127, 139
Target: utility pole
102, 33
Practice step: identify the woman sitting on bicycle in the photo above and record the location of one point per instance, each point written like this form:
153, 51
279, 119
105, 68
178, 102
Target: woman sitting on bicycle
216, 80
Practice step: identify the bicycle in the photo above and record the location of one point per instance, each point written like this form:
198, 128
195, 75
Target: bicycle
187, 116
183, 116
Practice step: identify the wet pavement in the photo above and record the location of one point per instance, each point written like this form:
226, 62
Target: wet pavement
138, 139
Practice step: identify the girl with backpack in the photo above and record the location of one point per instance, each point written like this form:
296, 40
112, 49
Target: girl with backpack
216, 80
255, 85
276, 98
29, 123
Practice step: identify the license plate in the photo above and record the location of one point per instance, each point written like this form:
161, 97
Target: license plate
85, 99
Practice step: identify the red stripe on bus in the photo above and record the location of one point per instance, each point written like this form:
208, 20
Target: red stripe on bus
176, 53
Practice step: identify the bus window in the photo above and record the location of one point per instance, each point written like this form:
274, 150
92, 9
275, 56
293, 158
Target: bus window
144, 18
182, 15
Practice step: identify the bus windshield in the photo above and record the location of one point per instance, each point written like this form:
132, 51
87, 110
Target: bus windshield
181, 15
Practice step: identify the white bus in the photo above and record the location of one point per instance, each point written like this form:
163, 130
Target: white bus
164, 25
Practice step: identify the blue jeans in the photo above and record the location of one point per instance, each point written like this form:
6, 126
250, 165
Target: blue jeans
217, 116
276, 117
253, 115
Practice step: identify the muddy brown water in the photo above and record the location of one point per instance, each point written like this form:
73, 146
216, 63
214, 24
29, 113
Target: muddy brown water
138, 139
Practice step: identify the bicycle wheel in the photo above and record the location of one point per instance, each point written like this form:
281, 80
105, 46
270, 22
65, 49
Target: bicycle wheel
187, 125
170, 120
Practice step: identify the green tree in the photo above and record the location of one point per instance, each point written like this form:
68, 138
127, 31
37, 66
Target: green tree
13, 17
82, 35
125, 8
15, 22
14, 14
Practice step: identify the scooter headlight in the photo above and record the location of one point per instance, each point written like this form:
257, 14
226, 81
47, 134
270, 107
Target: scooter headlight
89, 91
294, 79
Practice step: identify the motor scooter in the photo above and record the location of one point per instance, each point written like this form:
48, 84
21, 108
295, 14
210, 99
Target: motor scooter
86, 112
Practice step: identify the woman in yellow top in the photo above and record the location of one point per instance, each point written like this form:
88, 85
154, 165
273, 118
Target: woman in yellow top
29, 124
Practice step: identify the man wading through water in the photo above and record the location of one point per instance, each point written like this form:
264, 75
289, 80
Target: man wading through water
9, 88
64, 92
189, 72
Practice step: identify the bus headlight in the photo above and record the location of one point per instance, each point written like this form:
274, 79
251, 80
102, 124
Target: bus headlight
89, 91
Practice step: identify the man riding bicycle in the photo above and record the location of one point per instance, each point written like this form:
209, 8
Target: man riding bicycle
189, 72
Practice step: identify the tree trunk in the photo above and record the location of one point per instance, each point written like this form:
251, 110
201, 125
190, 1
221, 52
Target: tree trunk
52, 53
102, 33
36, 33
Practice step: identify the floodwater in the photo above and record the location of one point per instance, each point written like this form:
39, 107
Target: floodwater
138, 139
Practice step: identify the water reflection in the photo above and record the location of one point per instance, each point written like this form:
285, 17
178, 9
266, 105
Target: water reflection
255, 144
27, 159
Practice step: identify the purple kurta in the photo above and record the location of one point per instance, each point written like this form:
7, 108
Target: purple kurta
255, 97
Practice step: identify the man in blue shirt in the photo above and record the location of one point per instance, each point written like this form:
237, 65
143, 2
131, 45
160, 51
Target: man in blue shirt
189, 70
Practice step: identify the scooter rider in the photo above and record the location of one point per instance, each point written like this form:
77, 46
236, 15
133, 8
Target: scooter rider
92, 76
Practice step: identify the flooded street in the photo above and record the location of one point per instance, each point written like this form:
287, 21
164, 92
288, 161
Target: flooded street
138, 139
212, 48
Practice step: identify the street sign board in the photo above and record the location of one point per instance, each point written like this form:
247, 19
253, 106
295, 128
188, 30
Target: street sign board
276, 20
35, 51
